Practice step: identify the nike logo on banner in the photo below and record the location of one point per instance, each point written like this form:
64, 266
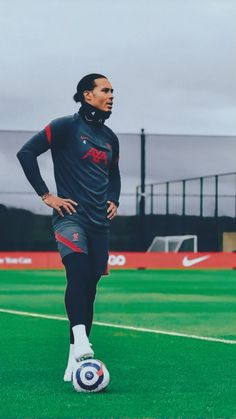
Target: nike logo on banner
190, 262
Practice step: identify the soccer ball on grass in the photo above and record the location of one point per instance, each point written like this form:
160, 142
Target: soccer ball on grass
90, 376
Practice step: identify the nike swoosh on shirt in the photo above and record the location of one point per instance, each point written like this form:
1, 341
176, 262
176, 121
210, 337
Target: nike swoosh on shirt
190, 262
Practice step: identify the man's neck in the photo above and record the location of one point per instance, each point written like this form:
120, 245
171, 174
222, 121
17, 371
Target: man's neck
93, 115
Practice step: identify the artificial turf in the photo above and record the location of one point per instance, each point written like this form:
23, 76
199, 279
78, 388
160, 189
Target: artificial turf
152, 375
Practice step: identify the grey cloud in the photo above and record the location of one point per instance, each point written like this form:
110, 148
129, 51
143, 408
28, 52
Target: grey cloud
171, 62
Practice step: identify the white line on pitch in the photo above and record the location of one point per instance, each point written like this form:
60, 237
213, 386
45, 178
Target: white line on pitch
122, 326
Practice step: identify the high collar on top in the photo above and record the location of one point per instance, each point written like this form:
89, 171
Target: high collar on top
93, 115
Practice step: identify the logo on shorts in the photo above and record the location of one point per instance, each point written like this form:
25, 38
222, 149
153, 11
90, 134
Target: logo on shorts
75, 237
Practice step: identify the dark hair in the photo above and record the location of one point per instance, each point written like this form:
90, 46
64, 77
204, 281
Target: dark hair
86, 83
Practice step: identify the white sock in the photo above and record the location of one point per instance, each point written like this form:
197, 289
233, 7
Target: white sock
79, 332
81, 346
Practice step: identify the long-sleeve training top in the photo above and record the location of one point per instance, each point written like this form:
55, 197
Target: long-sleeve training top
85, 158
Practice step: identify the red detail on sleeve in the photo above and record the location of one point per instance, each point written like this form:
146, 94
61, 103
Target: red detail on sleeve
48, 133
68, 243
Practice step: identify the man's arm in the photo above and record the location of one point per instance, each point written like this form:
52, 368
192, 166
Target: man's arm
114, 183
114, 186
27, 156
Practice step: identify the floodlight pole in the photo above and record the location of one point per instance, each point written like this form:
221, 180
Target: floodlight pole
142, 197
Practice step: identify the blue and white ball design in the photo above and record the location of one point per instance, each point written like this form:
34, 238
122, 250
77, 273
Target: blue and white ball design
90, 375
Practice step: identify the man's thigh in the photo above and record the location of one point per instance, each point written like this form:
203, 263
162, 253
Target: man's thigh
98, 251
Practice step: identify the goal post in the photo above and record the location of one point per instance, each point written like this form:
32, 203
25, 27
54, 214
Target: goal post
186, 243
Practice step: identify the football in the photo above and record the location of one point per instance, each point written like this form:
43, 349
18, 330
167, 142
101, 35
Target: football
90, 376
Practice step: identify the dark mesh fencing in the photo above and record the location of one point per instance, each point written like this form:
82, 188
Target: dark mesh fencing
168, 157
209, 196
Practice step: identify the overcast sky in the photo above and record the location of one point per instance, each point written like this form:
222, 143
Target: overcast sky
171, 62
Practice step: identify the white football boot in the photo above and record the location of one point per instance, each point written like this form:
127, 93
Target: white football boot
82, 347
71, 364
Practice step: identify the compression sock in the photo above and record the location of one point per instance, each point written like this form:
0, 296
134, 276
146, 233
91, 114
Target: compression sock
77, 273
92, 287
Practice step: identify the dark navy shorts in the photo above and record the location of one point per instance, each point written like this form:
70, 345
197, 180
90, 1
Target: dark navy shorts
72, 237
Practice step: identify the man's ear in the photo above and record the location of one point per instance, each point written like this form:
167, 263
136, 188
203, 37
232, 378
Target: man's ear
88, 95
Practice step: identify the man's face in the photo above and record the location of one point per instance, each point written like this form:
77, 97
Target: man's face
101, 97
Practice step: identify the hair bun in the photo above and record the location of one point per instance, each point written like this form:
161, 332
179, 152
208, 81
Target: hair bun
76, 97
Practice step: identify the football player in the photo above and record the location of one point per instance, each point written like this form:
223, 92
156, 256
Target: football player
85, 154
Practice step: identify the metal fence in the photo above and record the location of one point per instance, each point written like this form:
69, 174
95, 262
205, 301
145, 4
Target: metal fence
213, 196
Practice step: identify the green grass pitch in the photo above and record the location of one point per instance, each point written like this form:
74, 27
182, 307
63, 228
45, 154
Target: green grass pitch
152, 375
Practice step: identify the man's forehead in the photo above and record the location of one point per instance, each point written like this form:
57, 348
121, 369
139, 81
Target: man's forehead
103, 83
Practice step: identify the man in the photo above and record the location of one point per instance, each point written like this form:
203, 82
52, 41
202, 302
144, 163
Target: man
85, 155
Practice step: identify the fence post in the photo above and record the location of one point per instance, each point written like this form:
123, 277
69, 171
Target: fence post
201, 196
167, 198
137, 199
184, 196
216, 196
142, 199
151, 199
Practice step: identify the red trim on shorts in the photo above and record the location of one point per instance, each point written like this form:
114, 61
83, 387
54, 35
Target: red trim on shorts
68, 243
48, 133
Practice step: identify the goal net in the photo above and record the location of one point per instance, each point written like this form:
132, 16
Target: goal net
187, 243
